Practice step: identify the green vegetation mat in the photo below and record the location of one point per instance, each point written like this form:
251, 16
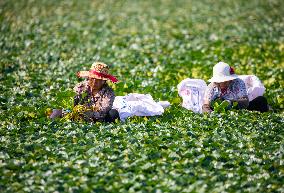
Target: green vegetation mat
151, 46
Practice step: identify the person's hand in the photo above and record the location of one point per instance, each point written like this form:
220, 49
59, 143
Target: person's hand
228, 104
227, 101
95, 108
56, 113
89, 114
222, 106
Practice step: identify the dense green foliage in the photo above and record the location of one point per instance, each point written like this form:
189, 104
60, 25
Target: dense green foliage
151, 46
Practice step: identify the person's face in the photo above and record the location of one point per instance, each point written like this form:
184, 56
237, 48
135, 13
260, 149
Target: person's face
224, 85
96, 83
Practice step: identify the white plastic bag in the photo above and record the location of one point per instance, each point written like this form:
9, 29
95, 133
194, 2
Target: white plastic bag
192, 92
135, 104
253, 85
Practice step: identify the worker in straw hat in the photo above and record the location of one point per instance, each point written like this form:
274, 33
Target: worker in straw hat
95, 95
226, 86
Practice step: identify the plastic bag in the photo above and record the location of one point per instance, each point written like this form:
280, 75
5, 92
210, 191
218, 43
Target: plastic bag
253, 85
135, 104
192, 92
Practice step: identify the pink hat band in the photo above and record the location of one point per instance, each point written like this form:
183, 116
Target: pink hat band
108, 76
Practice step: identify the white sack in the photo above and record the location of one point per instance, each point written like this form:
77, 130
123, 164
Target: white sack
192, 92
253, 85
135, 104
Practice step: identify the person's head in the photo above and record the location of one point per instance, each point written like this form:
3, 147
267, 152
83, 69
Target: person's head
95, 83
97, 75
223, 74
223, 85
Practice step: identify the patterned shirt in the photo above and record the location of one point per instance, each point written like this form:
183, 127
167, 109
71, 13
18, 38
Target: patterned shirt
235, 91
101, 102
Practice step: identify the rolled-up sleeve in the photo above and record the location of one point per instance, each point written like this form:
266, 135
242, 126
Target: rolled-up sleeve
79, 89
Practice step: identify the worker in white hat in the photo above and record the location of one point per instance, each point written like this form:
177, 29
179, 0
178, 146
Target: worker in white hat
225, 85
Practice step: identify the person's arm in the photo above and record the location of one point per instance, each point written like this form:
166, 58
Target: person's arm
77, 99
208, 97
206, 108
242, 100
79, 89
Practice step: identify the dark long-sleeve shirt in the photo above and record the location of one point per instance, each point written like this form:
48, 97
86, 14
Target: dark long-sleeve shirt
101, 103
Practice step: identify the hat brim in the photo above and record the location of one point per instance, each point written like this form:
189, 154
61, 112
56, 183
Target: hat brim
87, 74
97, 75
223, 78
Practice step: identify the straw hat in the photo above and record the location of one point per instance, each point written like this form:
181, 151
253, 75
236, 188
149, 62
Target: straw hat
98, 70
222, 72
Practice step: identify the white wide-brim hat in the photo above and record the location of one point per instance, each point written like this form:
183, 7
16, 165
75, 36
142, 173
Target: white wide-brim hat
222, 72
